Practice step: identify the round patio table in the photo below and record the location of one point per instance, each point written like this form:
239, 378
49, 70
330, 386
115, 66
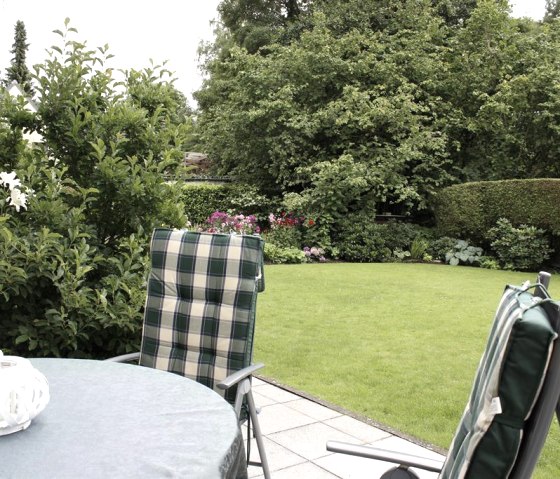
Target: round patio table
114, 420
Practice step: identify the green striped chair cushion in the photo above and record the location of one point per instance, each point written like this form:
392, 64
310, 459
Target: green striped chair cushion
200, 310
506, 387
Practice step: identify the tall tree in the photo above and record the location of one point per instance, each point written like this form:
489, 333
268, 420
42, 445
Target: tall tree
352, 101
255, 23
552, 10
18, 70
454, 12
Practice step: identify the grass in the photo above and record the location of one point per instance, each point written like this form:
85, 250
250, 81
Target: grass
398, 343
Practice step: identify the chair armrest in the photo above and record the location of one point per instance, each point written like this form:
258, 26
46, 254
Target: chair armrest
124, 358
388, 456
238, 376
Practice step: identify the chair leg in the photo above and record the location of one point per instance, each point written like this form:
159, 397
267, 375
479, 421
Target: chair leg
258, 434
249, 439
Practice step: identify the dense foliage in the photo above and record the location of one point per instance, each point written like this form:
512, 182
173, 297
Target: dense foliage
523, 248
377, 104
203, 199
471, 209
326, 113
73, 262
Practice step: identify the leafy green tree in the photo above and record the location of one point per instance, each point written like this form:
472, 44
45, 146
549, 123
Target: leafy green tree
277, 119
502, 84
18, 70
552, 10
383, 102
255, 23
455, 12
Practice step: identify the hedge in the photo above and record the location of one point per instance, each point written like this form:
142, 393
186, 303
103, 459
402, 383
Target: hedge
202, 199
469, 210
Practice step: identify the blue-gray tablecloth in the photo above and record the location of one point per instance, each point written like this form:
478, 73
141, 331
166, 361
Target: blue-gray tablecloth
112, 420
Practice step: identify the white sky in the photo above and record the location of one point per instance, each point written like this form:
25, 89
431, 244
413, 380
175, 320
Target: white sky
136, 30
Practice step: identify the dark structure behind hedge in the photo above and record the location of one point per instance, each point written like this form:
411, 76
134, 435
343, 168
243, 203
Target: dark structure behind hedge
471, 209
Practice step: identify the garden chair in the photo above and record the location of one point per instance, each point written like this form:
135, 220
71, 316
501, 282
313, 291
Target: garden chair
515, 394
199, 317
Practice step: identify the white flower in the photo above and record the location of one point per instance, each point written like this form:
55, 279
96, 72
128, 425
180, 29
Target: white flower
17, 199
9, 179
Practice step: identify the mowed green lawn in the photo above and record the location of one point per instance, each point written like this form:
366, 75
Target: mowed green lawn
398, 343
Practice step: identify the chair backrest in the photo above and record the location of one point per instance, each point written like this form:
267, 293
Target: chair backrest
200, 310
515, 392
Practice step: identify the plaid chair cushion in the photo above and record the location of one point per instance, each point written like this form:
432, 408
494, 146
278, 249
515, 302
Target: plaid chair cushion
507, 385
200, 310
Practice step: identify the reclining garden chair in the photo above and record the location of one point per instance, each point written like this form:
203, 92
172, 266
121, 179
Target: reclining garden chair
199, 317
512, 402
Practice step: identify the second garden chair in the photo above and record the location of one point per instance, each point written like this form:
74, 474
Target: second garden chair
515, 394
199, 317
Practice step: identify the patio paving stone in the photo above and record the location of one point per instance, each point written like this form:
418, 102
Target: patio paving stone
357, 429
309, 441
297, 428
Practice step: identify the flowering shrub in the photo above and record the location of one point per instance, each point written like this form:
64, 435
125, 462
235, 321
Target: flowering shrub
288, 231
202, 199
288, 220
314, 254
73, 265
17, 199
220, 222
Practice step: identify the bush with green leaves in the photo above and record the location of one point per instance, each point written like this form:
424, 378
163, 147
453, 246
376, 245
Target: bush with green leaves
469, 210
362, 240
439, 247
464, 253
524, 248
73, 264
284, 237
279, 255
202, 199
359, 238
61, 294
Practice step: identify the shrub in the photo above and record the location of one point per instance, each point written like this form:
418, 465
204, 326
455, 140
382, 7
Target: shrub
439, 247
488, 262
73, 264
523, 248
359, 238
463, 253
362, 241
278, 255
316, 232
202, 199
284, 230
401, 235
61, 293
471, 209
220, 222
284, 237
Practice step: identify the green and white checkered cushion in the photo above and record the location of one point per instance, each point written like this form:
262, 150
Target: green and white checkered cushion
507, 384
200, 310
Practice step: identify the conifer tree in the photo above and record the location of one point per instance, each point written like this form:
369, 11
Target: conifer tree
18, 70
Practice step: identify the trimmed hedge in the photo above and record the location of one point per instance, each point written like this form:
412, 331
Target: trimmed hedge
202, 199
469, 210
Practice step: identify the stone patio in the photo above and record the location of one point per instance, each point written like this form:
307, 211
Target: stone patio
296, 428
